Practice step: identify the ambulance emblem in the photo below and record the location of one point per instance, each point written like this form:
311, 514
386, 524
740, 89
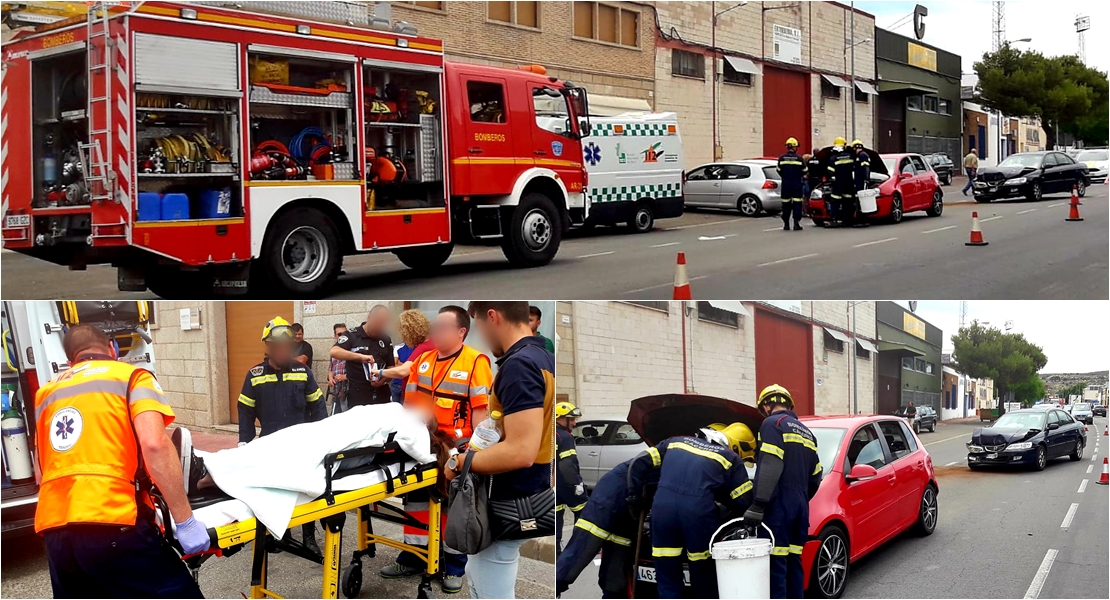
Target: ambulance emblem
66, 429
424, 367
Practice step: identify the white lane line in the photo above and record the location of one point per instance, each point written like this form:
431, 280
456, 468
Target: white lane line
1094, 456
1042, 573
939, 229
786, 260
874, 242
1068, 517
994, 218
946, 439
1023, 212
1055, 205
655, 287
699, 225
597, 254
772, 229
952, 463
1089, 468
1082, 486
667, 244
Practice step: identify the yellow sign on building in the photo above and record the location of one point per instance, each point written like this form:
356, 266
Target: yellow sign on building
913, 326
920, 56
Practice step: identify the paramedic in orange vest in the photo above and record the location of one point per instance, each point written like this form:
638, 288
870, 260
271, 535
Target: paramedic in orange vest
452, 382
102, 431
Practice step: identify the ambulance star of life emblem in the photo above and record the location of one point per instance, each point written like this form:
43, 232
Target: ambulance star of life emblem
593, 154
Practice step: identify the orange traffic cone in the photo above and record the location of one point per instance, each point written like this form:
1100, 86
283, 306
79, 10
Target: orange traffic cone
681, 283
976, 233
1073, 212
1106, 432
1105, 478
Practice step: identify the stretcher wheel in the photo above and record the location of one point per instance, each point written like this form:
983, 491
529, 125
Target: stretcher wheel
352, 580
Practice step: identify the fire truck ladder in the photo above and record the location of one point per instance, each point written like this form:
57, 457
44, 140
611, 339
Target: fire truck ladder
99, 177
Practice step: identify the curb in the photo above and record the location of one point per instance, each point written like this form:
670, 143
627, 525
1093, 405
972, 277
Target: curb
542, 549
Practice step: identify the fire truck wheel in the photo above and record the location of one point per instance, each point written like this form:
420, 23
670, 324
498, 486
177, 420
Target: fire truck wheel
425, 258
301, 254
534, 233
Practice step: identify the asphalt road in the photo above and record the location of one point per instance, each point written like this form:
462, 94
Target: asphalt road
1032, 254
995, 530
24, 572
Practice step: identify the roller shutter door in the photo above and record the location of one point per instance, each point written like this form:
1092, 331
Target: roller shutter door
162, 60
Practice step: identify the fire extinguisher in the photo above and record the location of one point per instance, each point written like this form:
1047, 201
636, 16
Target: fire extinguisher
16, 452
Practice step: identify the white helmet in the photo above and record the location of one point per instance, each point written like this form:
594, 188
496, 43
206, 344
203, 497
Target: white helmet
712, 435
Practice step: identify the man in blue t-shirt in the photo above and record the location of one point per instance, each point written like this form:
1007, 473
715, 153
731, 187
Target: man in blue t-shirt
520, 464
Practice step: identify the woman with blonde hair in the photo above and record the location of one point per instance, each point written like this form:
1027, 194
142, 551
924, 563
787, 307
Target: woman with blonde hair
415, 330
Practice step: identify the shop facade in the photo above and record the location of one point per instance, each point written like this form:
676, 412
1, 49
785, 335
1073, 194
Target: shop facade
909, 360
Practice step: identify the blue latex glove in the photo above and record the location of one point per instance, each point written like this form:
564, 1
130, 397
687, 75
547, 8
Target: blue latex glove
193, 536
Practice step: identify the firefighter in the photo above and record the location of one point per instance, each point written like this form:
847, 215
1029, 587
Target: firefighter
695, 473
842, 168
569, 488
280, 392
101, 438
862, 175
788, 472
791, 169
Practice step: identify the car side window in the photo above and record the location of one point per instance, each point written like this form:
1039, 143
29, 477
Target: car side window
590, 433
1064, 418
895, 439
737, 172
699, 174
1050, 161
1064, 159
919, 164
625, 435
910, 440
1052, 418
866, 449
906, 167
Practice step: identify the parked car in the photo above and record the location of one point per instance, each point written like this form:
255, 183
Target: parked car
942, 165
856, 508
906, 184
1081, 411
1031, 175
1028, 437
926, 418
1099, 410
749, 186
1098, 165
603, 444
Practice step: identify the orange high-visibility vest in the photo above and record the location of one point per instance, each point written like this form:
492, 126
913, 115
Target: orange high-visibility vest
86, 441
451, 387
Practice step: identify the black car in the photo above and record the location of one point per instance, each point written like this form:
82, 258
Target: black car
943, 166
1099, 410
1031, 175
926, 418
1027, 437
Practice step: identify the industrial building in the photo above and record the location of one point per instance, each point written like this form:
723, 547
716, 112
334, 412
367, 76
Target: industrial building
909, 362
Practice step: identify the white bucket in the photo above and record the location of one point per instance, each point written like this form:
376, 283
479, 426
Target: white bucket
868, 200
743, 566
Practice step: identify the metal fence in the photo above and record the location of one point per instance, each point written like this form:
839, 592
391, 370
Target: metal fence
928, 145
920, 398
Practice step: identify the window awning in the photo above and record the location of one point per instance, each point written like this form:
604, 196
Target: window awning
742, 65
839, 335
867, 345
899, 348
837, 81
611, 106
732, 306
867, 88
905, 86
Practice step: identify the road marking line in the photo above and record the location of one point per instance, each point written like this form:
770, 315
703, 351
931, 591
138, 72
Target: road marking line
1055, 205
773, 229
1026, 211
786, 260
1089, 467
1082, 486
1042, 573
667, 244
952, 463
597, 254
699, 225
940, 229
1068, 517
875, 242
669, 283
1094, 456
994, 218
946, 439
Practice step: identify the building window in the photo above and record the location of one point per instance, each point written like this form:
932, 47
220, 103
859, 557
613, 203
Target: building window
833, 344
862, 352
429, 5
930, 104
660, 305
919, 365
606, 23
687, 64
525, 14
828, 90
862, 97
733, 76
930, 368
707, 312
487, 102
945, 106
907, 363
913, 102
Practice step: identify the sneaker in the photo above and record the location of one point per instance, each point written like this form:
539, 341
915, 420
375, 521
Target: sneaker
451, 584
396, 570
192, 466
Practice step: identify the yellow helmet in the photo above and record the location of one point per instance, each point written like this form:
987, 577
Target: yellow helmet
566, 409
792, 142
717, 426
839, 141
776, 394
277, 329
741, 440
856, 142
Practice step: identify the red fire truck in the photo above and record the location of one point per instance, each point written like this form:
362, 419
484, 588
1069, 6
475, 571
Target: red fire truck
197, 147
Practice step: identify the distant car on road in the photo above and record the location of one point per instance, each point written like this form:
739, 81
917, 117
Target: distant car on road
1028, 437
749, 186
603, 444
1099, 410
906, 184
1081, 411
926, 418
1098, 165
1031, 175
942, 165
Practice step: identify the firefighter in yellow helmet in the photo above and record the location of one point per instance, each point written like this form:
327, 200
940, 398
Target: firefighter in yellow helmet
741, 440
280, 392
862, 175
569, 489
842, 170
792, 171
788, 472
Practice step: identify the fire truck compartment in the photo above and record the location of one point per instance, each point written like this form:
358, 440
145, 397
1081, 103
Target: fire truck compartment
59, 87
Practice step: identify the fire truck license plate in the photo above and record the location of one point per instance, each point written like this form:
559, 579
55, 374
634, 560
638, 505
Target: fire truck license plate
17, 221
648, 574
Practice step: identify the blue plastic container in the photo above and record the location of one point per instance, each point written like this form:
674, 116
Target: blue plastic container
215, 204
175, 207
150, 206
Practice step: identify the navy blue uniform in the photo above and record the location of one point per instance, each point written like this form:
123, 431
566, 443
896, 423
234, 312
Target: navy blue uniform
842, 167
569, 489
792, 171
694, 475
278, 398
785, 501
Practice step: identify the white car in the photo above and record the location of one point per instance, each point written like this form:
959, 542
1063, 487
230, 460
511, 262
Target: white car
1097, 164
749, 186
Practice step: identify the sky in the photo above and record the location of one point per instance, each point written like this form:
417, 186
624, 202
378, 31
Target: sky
963, 27
1074, 334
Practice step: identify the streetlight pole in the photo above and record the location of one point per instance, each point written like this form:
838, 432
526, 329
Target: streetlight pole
713, 43
852, 92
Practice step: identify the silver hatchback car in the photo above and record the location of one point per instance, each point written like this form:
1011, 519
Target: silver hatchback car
749, 186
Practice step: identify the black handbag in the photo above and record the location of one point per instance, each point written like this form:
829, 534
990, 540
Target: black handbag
525, 517
468, 515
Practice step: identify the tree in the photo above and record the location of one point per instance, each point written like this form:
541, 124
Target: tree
1029, 391
1074, 390
1061, 91
1007, 358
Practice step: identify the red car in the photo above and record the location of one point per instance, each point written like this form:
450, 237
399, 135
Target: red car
878, 482
906, 184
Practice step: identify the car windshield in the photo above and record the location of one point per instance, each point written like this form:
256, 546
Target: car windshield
1022, 160
1091, 156
1020, 420
828, 444
1081, 406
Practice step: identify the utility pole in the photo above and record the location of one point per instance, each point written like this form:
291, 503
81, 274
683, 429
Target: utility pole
998, 18
852, 90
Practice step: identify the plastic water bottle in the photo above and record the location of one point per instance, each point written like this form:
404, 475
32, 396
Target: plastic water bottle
487, 433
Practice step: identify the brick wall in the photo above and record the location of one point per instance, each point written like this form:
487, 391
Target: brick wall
565, 388
192, 365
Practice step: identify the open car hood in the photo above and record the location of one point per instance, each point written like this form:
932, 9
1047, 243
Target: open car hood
877, 164
657, 418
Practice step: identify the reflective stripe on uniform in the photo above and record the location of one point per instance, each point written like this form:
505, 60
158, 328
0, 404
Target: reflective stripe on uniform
271, 378
797, 438
314, 396
577, 508
780, 551
771, 449
566, 453
795, 549
456, 388
817, 470
655, 460
698, 555
559, 507
410, 387
594, 530
845, 161
294, 376
479, 390
790, 162
146, 394
103, 386
665, 552
726, 463
247, 400
424, 380
740, 490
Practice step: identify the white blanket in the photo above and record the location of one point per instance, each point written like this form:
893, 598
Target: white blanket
271, 473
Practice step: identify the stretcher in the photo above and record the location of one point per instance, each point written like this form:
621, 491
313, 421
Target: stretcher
391, 473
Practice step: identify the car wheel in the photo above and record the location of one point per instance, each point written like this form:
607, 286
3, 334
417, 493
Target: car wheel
1081, 188
937, 207
948, 179
749, 205
1077, 454
933, 427
829, 575
928, 512
1035, 192
1042, 459
896, 209
916, 428
819, 222
643, 220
